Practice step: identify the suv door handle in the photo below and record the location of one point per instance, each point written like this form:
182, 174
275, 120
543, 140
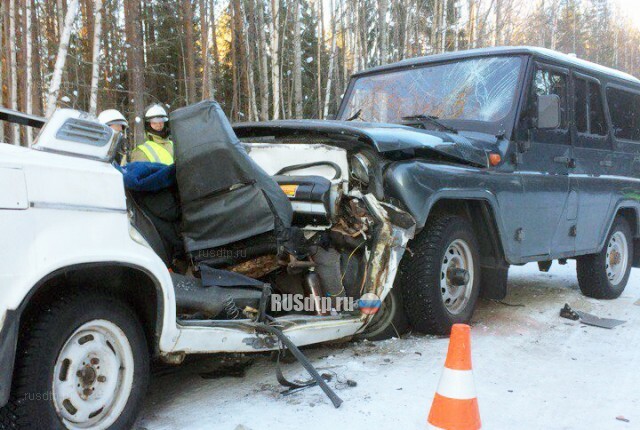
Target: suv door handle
567, 161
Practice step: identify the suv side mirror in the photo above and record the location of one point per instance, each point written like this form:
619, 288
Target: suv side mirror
548, 111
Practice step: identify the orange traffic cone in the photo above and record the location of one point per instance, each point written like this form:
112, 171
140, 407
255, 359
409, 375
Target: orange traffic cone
455, 406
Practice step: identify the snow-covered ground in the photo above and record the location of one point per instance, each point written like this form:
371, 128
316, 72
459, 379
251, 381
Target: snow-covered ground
533, 370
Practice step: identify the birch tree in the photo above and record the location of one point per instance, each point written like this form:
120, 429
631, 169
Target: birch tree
250, 87
383, 32
56, 80
95, 63
443, 37
262, 62
13, 78
332, 58
274, 29
297, 62
28, 100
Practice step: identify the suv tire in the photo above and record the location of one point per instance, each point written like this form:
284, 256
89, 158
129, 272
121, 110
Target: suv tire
432, 300
85, 355
605, 275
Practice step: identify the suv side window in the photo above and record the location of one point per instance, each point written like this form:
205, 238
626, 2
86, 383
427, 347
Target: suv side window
548, 82
597, 122
580, 108
588, 109
624, 107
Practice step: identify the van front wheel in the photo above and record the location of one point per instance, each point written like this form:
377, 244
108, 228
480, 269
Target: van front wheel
83, 363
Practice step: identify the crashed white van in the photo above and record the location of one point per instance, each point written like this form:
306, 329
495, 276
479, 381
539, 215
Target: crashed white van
93, 285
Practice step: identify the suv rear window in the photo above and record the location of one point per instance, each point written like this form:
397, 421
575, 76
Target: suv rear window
624, 107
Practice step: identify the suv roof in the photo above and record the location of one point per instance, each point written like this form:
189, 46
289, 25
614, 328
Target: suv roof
504, 50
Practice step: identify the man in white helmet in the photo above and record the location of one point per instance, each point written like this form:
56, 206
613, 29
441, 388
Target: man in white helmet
157, 148
114, 119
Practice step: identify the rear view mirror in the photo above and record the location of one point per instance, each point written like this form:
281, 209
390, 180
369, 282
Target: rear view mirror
548, 111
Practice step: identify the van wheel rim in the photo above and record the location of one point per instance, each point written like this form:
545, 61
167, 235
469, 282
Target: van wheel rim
617, 258
457, 256
93, 376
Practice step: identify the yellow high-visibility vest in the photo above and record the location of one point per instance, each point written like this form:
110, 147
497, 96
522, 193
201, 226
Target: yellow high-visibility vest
156, 152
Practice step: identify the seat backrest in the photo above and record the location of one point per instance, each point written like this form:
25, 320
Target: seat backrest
226, 197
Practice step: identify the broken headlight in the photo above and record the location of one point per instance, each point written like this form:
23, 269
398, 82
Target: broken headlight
360, 165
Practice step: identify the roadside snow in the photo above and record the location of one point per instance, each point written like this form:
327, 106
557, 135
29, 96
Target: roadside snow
533, 370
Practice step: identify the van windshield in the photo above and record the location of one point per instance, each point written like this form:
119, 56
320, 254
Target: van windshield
477, 89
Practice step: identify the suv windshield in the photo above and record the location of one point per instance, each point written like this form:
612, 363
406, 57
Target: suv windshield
477, 89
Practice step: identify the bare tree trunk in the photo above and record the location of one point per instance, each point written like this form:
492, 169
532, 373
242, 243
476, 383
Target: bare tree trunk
135, 65
235, 103
251, 88
60, 12
332, 58
28, 55
497, 41
456, 17
15, 134
274, 27
95, 60
383, 32
471, 24
262, 63
214, 41
444, 26
56, 80
36, 98
435, 24
204, 48
297, 61
319, 45
187, 19
554, 23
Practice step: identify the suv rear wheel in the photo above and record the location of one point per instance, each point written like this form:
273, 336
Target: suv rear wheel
441, 279
83, 363
604, 275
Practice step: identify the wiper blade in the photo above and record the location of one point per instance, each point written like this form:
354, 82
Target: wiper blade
430, 119
355, 115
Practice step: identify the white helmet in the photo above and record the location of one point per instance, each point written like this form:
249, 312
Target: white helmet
112, 116
156, 112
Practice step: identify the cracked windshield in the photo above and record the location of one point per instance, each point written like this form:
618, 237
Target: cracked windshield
481, 89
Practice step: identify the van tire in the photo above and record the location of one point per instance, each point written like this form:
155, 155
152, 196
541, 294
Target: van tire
596, 278
43, 344
421, 273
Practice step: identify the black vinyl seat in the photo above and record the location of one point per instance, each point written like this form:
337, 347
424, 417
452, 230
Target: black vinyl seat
228, 201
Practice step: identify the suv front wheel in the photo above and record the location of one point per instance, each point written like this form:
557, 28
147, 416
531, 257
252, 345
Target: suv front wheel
604, 275
441, 275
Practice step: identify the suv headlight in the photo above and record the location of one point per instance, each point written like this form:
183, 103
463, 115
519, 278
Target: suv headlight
360, 168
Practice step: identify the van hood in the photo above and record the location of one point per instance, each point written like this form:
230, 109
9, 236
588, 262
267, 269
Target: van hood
381, 136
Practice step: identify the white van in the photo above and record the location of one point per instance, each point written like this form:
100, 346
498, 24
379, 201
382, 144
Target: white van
91, 293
